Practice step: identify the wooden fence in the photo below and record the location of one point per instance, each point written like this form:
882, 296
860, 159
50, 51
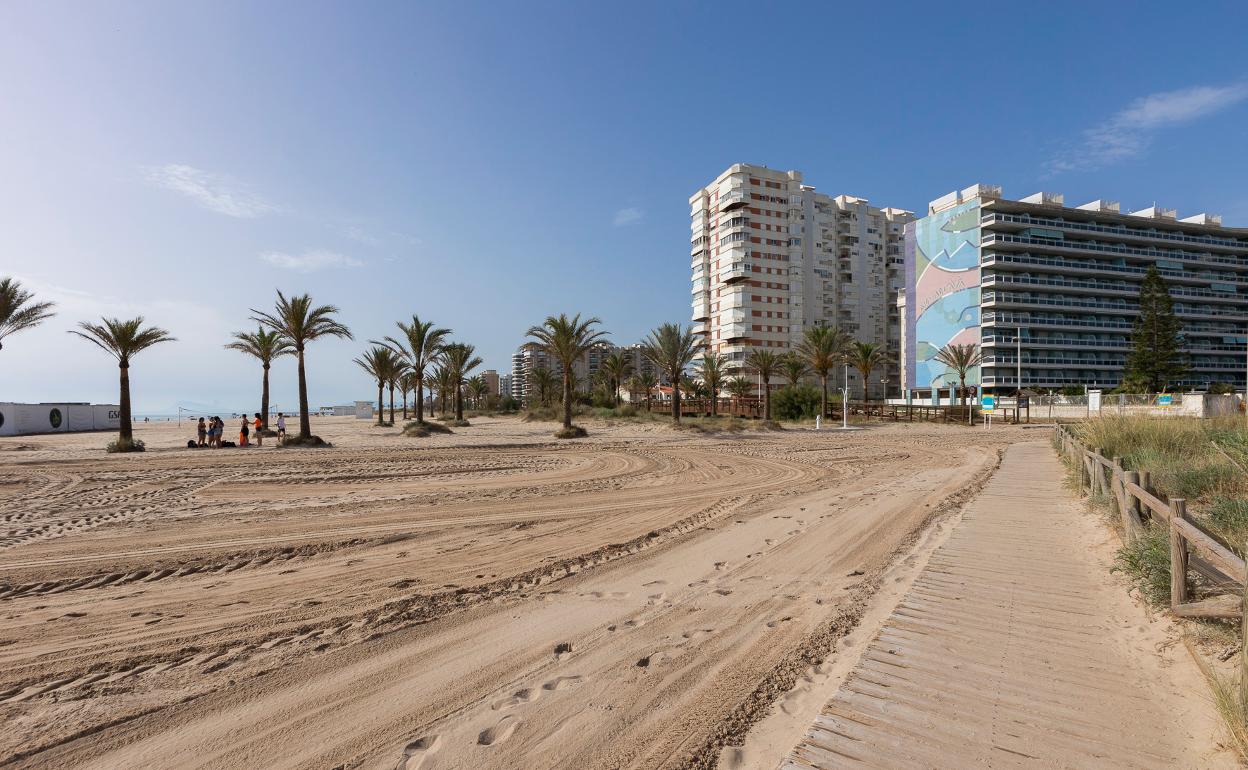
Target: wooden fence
1192, 549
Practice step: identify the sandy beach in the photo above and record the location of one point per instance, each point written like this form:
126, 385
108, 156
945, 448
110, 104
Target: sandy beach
488, 599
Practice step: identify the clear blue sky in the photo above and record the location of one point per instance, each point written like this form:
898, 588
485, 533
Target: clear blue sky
485, 164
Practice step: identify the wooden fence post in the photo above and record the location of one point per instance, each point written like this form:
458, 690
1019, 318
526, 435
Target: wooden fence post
1116, 488
1131, 511
1178, 554
1243, 652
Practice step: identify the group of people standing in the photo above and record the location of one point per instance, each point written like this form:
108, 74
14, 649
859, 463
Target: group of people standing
210, 431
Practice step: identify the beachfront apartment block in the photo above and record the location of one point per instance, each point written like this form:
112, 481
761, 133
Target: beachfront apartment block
772, 257
527, 358
1060, 283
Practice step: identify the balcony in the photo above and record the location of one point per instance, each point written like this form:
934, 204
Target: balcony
733, 200
1082, 247
992, 259
734, 331
1122, 231
1104, 287
734, 272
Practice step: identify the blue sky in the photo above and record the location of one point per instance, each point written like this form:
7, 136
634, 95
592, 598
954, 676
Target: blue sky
485, 164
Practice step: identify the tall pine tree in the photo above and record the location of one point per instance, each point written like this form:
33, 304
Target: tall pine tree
1156, 338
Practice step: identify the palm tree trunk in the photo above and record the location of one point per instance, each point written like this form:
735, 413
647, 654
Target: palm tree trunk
767, 399
381, 411
567, 396
127, 430
305, 417
420, 399
823, 401
459, 401
391, 404
676, 398
714, 401
264, 400
405, 404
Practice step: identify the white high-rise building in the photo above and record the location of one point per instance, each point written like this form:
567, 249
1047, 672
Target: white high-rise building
772, 257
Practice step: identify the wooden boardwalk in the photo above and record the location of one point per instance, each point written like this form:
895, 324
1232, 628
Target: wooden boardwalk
1000, 654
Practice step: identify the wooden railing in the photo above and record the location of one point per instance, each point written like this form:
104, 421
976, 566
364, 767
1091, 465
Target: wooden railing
1192, 549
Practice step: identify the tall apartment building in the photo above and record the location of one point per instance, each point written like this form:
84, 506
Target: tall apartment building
772, 257
526, 359
491, 381
1061, 283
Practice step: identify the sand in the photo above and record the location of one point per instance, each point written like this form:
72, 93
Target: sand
492, 598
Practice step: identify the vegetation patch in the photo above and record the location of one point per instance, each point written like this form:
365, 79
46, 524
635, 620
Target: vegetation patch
125, 445
575, 431
305, 441
422, 429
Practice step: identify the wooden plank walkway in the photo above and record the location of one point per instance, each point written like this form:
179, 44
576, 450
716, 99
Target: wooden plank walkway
998, 655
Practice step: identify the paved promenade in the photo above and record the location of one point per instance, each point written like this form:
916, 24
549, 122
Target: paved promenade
1012, 649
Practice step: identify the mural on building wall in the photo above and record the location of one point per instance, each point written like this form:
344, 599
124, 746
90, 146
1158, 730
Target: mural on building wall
942, 292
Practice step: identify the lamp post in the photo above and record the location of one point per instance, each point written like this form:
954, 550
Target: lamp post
845, 400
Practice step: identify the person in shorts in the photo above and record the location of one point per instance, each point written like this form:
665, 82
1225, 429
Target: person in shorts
281, 427
201, 430
243, 431
258, 424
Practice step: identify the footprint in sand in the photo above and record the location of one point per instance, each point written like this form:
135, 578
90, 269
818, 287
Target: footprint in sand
499, 732
754, 578
527, 695
721, 564
609, 594
656, 598
415, 752
654, 583
723, 591
775, 623
563, 682
769, 541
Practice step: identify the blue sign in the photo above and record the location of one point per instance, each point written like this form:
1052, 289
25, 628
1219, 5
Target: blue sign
1163, 399
988, 403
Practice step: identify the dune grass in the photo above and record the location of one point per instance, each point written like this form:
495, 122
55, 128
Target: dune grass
1205, 462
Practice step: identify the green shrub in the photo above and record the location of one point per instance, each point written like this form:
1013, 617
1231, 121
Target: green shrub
575, 431
125, 445
1146, 563
795, 403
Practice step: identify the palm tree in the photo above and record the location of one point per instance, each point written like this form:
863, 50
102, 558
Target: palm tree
766, 362
865, 357
394, 378
460, 358
420, 346
542, 380
671, 348
617, 367
823, 347
266, 346
567, 340
740, 387
379, 362
960, 358
300, 323
407, 384
13, 316
444, 381
794, 368
123, 340
711, 370
648, 382
477, 387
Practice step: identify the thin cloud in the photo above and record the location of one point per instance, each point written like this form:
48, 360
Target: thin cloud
309, 261
628, 216
1129, 132
212, 191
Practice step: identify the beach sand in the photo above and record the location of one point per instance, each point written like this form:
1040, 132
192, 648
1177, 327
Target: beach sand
492, 598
